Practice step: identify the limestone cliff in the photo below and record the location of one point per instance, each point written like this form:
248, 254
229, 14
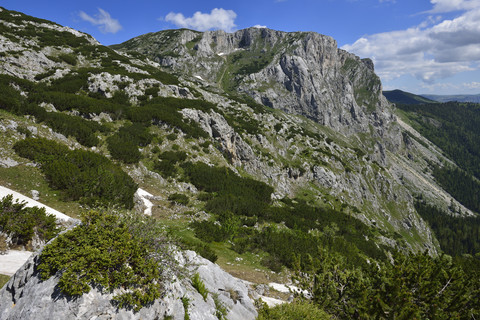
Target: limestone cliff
301, 73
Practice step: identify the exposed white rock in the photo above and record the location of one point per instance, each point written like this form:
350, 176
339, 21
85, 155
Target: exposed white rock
35, 195
142, 199
26, 297
8, 163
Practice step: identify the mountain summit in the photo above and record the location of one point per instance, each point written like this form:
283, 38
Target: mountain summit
300, 73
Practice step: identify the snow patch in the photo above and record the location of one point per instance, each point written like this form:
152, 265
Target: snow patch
32, 203
272, 302
287, 288
144, 195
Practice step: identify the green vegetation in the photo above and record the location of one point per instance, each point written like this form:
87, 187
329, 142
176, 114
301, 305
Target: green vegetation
123, 145
104, 252
456, 235
242, 63
178, 198
454, 127
198, 284
186, 305
297, 310
80, 175
221, 310
3, 280
168, 167
84, 131
460, 185
44, 36
240, 203
413, 287
166, 110
21, 223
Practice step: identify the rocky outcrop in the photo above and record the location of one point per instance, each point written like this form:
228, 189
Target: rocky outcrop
301, 72
25, 297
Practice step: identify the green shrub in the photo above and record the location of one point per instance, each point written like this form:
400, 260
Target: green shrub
44, 75
186, 303
123, 150
240, 195
82, 175
68, 58
123, 145
103, 252
22, 223
208, 231
169, 159
172, 136
297, 310
178, 198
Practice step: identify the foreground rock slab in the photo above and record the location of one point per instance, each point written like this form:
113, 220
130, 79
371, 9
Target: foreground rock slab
26, 296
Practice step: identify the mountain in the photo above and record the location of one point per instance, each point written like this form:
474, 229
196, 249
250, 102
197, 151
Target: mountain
273, 154
456, 97
399, 96
299, 73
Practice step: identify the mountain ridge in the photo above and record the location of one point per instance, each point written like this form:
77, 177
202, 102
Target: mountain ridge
399, 96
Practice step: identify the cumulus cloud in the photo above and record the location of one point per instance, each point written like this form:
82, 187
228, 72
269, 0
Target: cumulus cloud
259, 26
103, 20
435, 49
453, 5
217, 19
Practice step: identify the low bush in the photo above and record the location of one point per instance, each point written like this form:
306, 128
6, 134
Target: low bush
21, 223
167, 166
102, 252
297, 310
81, 175
178, 198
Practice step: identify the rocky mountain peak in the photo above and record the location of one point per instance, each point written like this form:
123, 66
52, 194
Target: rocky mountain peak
301, 73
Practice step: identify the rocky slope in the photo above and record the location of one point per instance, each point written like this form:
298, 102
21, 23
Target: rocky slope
289, 109
25, 296
301, 73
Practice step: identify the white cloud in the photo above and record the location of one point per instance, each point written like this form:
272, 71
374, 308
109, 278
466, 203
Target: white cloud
259, 26
453, 5
472, 85
433, 50
102, 19
216, 19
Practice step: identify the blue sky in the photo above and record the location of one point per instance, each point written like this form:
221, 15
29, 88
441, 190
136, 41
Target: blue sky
420, 46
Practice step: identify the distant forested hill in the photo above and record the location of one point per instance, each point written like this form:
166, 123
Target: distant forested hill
459, 97
399, 96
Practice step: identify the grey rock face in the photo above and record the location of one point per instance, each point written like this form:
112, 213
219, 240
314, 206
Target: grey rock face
25, 297
301, 73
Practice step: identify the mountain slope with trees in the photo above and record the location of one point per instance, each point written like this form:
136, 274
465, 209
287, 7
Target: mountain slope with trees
320, 191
